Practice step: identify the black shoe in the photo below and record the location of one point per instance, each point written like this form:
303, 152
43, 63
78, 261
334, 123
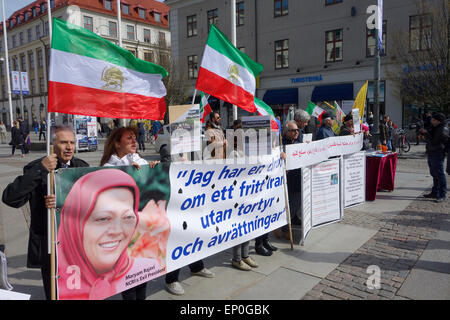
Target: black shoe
266, 244
439, 200
262, 251
429, 196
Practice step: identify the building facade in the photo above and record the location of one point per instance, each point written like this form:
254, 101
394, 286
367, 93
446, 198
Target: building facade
311, 50
144, 30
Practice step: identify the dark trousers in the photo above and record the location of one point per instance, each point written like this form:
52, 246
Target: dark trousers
21, 149
295, 203
195, 267
137, 293
436, 165
42, 133
259, 240
141, 142
46, 276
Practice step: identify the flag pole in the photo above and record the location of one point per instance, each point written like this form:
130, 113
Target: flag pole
119, 34
233, 41
5, 38
50, 184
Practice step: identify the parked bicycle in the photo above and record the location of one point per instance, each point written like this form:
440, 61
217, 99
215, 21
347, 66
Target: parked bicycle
403, 143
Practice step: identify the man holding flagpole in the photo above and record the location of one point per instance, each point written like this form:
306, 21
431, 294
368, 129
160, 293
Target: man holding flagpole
31, 187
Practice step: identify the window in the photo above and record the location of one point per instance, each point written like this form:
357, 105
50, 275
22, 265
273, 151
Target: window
147, 36
282, 54
112, 29
31, 60
87, 23
157, 17
162, 40
21, 38
46, 30
19, 20
33, 86
164, 59
52, 3
333, 45
328, 2
192, 67
26, 16
33, 12
29, 35
130, 32
11, 23
240, 13
108, 4
23, 63
420, 32
14, 43
125, 9
280, 8
41, 85
148, 56
192, 26
42, 7
38, 31
213, 17
40, 58
15, 64
141, 13
371, 41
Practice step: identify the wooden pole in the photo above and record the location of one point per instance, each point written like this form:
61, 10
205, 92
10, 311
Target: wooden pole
286, 197
52, 235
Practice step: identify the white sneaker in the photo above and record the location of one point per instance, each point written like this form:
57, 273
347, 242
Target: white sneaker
204, 273
175, 288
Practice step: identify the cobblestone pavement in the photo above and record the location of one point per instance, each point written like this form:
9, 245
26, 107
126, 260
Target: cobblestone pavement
395, 249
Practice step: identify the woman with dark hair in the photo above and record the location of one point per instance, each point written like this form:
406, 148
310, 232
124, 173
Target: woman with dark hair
17, 140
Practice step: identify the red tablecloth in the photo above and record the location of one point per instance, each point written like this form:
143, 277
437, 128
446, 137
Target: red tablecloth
380, 174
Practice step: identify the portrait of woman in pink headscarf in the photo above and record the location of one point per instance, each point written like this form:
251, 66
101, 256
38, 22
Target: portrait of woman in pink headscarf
98, 221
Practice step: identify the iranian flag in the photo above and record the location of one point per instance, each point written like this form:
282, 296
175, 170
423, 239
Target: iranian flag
264, 110
205, 108
91, 76
227, 73
315, 111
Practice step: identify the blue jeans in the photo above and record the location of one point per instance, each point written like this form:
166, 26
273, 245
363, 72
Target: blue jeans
436, 165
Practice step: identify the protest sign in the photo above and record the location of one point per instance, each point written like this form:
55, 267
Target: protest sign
258, 135
119, 227
301, 155
325, 192
356, 121
354, 178
85, 132
184, 128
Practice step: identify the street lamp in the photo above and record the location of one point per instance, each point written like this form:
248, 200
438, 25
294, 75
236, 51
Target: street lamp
6, 59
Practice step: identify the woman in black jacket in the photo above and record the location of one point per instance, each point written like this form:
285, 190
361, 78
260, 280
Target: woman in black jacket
16, 139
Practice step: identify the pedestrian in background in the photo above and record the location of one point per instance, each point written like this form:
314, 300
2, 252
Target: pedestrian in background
17, 140
437, 143
42, 129
2, 132
141, 135
384, 130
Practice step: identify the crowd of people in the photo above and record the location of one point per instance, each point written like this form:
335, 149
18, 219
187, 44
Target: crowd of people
121, 149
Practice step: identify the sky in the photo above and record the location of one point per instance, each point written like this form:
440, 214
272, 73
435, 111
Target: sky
13, 5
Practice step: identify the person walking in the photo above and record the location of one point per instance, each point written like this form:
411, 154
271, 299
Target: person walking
437, 140
2, 132
141, 135
17, 140
42, 129
31, 187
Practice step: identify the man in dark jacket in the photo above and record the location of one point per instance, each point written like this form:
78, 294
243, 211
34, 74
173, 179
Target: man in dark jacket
384, 130
325, 130
32, 187
437, 139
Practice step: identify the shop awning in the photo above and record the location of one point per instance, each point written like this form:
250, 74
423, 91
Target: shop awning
333, 92
281, 96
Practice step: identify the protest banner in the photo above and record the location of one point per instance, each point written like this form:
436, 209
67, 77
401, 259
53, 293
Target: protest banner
354, 179
301, 155
119, 227
259, 142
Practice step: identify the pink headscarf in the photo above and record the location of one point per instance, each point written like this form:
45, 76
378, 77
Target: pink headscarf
77, 208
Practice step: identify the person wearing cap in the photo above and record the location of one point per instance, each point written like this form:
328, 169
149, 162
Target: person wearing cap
347, 127
325, 130
437, 139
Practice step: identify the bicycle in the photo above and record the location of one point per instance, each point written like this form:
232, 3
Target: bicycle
402, 141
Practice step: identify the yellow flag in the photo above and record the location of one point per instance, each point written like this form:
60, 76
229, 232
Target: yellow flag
360, 101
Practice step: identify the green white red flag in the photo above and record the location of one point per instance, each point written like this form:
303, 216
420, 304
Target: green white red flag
265, 110
205, 108
315, 111
91, 76
227, 73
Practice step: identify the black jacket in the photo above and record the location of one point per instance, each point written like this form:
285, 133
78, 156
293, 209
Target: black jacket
437, 139
293, 177
16, 137
345, 131
32, 187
